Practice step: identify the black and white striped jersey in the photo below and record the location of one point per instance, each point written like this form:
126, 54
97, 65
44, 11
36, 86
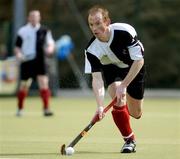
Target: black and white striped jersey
32, 40
122, 49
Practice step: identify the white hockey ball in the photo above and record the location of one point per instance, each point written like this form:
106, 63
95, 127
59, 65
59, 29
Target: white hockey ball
69, 151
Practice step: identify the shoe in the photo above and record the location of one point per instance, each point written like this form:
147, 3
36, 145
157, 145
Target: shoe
48, 113
19, 113
129, 147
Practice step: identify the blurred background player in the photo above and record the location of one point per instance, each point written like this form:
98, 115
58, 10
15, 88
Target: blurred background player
115, 56
33, 43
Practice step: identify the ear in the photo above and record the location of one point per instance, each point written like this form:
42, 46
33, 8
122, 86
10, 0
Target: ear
108, 21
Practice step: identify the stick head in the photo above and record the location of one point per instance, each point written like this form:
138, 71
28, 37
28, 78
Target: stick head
63, 149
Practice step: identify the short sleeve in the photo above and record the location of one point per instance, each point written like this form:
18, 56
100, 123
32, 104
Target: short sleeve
92, 63
136, 51
18, 42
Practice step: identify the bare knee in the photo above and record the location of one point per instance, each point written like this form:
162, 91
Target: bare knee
135, 107
43, 81
136, 115
134, 111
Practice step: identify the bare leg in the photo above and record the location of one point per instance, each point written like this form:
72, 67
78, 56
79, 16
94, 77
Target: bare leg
21, 95
134, 106
45, 93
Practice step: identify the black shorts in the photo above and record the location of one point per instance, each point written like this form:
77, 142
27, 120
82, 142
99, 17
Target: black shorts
112, 73
32, 68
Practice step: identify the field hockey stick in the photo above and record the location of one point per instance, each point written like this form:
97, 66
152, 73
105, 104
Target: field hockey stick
86, 129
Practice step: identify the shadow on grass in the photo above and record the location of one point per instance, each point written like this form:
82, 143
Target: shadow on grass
56, 154
96, 152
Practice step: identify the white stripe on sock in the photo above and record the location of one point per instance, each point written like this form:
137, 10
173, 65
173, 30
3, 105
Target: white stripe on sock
126, 137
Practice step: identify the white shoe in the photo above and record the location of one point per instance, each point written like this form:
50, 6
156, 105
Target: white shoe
129, 147
47, 113
19, 112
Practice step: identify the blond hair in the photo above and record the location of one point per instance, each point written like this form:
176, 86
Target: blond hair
101, 9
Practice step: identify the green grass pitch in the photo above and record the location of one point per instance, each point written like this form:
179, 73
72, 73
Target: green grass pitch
36, 137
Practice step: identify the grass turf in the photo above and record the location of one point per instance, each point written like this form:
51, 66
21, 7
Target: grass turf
34, 136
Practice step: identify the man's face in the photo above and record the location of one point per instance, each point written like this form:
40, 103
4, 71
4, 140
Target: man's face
34, 18
98, 25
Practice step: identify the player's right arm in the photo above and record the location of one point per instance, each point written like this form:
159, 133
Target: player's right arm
93, 66
99, 92
18, 53
17, 49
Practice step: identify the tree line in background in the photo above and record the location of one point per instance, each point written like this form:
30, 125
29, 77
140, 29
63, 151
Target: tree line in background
156, 21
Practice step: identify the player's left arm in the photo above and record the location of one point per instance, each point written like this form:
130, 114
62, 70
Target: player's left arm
50, 44
136, 52
134, 70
